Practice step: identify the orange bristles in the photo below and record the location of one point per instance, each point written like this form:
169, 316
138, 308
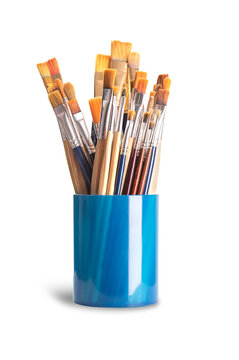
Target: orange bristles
102, 62
59, 84
142, 86
95, 108
138, 75
69, 90
161, 78
115, 90
120, 50
45, 74
55, 99
166, 83
54, 69
109, 78
131, 115
74, 106
162, 97
151, 101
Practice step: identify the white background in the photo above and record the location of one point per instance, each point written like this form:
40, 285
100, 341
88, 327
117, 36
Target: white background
197, 317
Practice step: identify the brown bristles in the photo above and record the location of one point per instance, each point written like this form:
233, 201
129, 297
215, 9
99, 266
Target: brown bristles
52, 88
120, 50
142, 86
162, 97
139, 75
131, 115
69, 90
45, 74
74, 106
166, 83
109, 78
115, 90
102, 62
134, 59
59, 84
95, 108
155, 87
55, 99
151, 124
161, 78
146, 116
124, 91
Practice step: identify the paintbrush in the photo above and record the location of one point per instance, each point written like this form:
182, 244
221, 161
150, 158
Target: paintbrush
102, 62
106, 108
69, 130
151, 101
138, 75
81, 127
123, 152
95, 108
45, 74
69, 91
133, 64
116, 145
160, 79
108, 146
119, 57
134, 156
54, 69
141, 155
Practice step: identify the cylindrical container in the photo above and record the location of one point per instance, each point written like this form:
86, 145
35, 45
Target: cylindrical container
115, 250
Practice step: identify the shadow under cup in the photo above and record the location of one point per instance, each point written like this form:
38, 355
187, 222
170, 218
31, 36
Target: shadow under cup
115, 250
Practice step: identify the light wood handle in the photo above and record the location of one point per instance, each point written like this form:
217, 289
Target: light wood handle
128, 154
75, 170
155, 175
114, 162
105, 164
100, 147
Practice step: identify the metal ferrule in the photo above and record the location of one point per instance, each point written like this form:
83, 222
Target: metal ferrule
127, 134
67, 126
105, 114
120, 115
144, 130
113, 114
63, 135
96, 127
141, 134
82, 130
137, 108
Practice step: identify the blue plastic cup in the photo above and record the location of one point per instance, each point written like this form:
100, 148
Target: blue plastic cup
115, 250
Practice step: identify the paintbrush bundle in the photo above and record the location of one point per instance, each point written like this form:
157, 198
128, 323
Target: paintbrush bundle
121, 154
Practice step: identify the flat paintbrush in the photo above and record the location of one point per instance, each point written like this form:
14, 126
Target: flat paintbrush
45, 74
106, 108
116, 145
102, 62
54, 69
95, 108
69, 130
133, 64
69, 91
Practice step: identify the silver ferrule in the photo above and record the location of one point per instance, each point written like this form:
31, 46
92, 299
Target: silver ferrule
157, 129
63, 135
146, 141
83, 132
137, 108
127, 134
105, 114
142, 134
67, 126
120, 115
96, 127
113, 114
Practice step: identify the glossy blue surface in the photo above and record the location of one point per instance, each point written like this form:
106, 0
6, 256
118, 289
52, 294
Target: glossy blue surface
115, 250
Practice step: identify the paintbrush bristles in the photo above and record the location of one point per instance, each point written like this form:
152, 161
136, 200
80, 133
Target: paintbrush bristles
134, 59
52, 88
59, 85
120, 50
69, 90
74, 106
45, 74
109, 78
166, 83
102, 62
55, 99
95, 108
162, 97
115, 90
53, 66
131, 115
142, 86
160, 79
124, 91
146, 116
139, 75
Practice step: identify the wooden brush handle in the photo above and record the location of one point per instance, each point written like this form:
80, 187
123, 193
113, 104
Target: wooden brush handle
138, 172
154, 180
128, 154
100, 148
105, 164
75, 170
84, 165
130, 173
114, 162
144, 173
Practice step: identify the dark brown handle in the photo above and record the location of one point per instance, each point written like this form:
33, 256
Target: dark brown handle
138, 172
144, 173
130, 173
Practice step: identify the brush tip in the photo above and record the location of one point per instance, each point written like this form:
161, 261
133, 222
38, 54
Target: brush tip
95, 108
142, 86
69, 90
53, 66
102, 62
152, 93
74, 106
124, 91
160, 79
59, 85
120, 50
166, 83
162, 97
146, 116
115, 90
109, 78
134, 59
55, 99
131, 115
